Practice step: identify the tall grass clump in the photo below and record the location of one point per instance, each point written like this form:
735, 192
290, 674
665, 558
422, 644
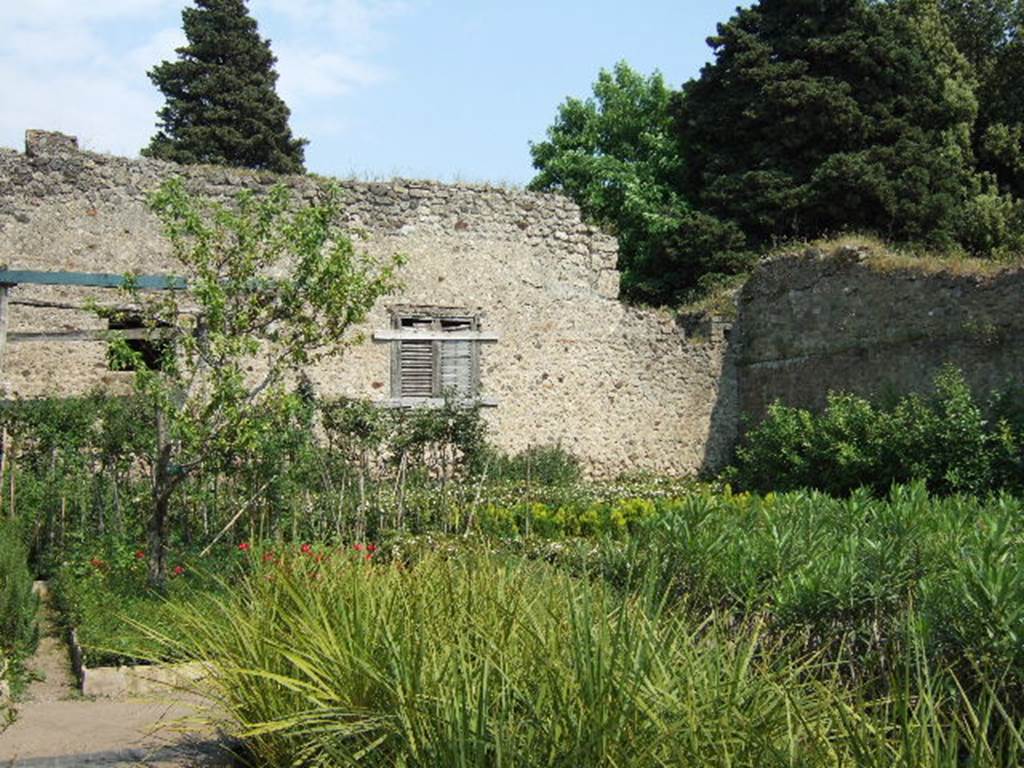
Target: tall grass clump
485, 661
843, 576
728, 629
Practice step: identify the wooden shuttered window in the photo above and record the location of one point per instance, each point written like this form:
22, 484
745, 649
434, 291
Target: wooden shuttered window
416, 362
458, 369
438, 367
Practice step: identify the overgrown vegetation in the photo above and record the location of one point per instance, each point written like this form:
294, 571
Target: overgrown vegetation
898, 117
18, 603
274, 286
731, 630
80, 471
374, 587
949, 440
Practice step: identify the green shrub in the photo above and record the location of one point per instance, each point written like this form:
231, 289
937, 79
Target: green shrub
466, 658
975, 612
18, 603
547, 465
944, 440
570, 519
483, 661
101, 588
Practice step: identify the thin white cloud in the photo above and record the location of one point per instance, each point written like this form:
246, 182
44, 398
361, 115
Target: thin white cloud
98, 120
352, 23
50, 13
310, 74
80, 67
159, 47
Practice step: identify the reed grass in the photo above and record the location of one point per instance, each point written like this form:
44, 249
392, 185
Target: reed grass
487, 660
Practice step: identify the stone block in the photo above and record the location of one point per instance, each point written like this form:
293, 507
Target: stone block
49, 143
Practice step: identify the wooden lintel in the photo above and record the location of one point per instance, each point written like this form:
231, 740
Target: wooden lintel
404, 334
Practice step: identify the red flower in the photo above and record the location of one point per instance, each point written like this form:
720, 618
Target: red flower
244, 546
178, 570
369, 556
140, 555
306, 548
371, 547
358, 547
268, 557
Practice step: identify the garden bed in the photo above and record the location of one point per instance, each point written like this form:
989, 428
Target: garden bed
130, 679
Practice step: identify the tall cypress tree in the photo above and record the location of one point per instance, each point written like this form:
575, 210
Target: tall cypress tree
222, 105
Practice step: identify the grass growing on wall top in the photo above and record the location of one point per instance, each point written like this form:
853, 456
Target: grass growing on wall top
885, 257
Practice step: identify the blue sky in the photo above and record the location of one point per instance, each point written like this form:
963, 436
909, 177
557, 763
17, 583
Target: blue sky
442, 89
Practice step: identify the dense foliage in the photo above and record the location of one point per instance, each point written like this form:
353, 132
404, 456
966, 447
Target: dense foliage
18, 630
987, 32
767, 630
840, 115
81, 469
899, 118
949, 440
615, 155
222, 105
274, 287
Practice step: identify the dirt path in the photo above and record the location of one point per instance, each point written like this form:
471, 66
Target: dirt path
56, 728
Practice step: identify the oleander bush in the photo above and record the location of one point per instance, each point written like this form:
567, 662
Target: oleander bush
950, 440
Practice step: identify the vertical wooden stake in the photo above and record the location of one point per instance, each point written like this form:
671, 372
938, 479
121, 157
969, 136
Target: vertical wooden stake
14, 472
4, 289
3, 463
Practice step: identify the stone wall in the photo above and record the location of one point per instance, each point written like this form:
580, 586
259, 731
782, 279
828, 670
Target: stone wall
873, 324
621, 387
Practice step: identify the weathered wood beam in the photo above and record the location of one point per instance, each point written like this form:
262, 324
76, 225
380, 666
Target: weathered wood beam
96, 335
399, 334
39, 304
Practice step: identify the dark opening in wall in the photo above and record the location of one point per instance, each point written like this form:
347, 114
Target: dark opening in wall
148, 347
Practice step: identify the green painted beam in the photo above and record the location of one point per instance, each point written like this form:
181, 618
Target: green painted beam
90, 279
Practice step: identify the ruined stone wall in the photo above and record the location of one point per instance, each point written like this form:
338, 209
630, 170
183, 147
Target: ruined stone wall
872, 324
620, 387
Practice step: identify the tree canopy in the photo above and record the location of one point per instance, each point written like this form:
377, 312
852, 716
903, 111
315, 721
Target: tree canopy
815, 117
822, 116
273, 287
221, 104
615, 155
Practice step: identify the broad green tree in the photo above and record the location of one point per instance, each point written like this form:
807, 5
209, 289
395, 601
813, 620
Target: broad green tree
272, 288
981, 29
988, 34
614, 154
222, 105
818, 116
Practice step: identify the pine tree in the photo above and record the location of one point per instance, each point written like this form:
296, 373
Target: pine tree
823, 115
221, 105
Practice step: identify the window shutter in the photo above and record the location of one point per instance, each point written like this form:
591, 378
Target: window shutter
416, 359
457, 361
426, 365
